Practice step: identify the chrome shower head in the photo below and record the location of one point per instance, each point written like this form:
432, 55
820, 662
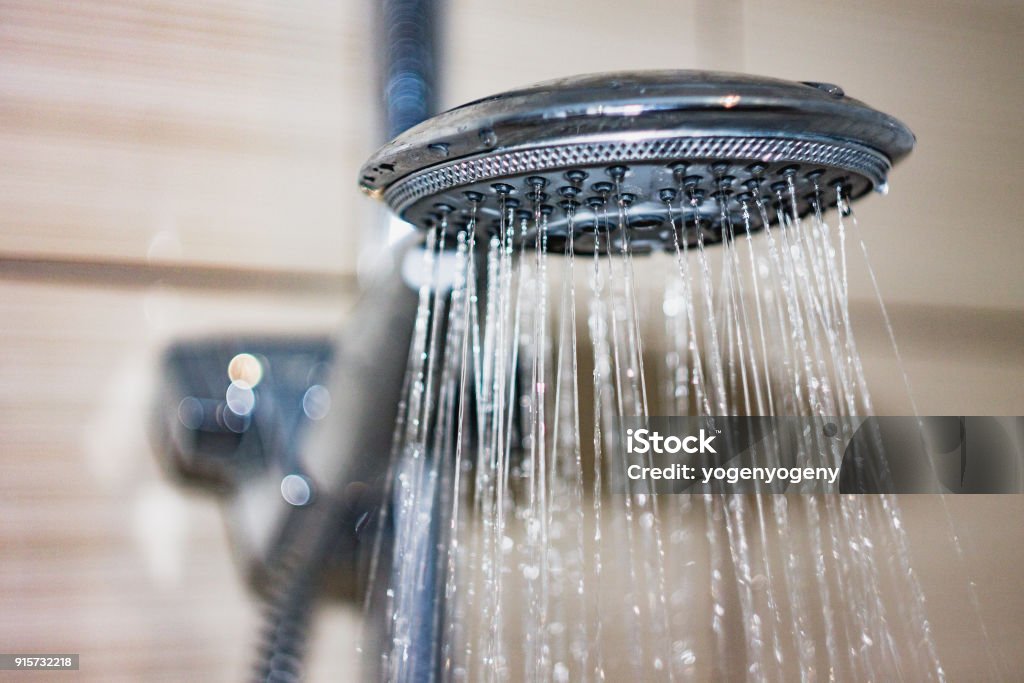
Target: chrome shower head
635, 143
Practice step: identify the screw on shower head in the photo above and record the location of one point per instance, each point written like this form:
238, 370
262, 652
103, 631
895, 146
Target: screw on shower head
632, 143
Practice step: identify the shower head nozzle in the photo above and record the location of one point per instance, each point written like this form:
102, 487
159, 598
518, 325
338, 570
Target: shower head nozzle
640, 144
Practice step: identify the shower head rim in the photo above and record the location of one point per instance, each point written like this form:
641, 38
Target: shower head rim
635, 102
654, 147
714, 141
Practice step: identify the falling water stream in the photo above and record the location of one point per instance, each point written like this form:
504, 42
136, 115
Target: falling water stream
513, 560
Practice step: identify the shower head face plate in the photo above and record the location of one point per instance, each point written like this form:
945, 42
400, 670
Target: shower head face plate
636, 150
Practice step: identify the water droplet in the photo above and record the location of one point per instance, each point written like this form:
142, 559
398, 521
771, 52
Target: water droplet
488, 138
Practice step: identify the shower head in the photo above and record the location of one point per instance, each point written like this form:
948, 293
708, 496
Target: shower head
695, 146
